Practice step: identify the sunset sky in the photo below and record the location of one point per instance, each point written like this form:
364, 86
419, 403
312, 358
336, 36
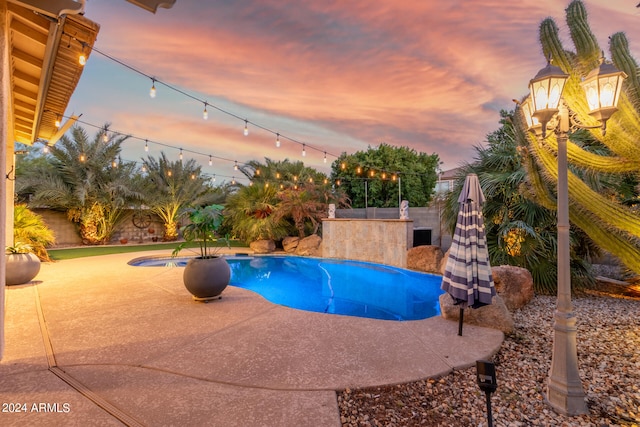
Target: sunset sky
338, 76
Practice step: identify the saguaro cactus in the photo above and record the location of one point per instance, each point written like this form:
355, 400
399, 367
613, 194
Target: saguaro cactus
611, 225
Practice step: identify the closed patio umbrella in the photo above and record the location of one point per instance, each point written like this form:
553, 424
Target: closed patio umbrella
467, 276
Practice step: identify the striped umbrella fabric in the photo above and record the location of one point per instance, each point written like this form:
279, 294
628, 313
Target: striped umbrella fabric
467, 276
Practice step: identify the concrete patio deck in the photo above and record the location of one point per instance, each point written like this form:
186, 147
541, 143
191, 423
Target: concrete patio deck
94, 341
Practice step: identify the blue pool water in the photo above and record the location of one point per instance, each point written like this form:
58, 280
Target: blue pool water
350, 288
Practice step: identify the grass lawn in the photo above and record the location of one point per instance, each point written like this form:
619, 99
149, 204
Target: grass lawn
87, 251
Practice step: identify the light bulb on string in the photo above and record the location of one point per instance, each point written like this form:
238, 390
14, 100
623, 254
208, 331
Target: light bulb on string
205, 113
82, 59
266, 185
210, 161
45, 149
246, 128
214, 178
325, 157
250, 183
233, 180
338, 182
304, 152
57, 123
146, 146
343, 166
235, 166
193, 176
278, 175
82, 157
257, 171
144, 168
105, 136
326, 181
114, 164
152, 91
169, 172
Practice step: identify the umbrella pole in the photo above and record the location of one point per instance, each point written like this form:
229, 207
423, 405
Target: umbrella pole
460, 323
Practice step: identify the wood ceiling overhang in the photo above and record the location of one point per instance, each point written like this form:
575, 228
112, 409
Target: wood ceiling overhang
44, 66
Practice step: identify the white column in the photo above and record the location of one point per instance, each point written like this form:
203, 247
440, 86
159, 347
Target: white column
6, 142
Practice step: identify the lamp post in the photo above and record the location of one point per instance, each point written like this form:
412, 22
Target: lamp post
602, 87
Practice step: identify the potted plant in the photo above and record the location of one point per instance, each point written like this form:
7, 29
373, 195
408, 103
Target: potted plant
22, 265
207, 275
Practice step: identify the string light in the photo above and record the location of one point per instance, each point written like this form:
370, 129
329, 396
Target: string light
193, 176
210, 161
114, 164
82, 59
214, 178
57, 123
105, 136
205, 113
82, 158
144, 168
146, 146
304, 153
343, 166
278, 175
152, 91
277, 140
235, 166
233, 180
45, 149
324, 159
180, 154
257, 171
169, 172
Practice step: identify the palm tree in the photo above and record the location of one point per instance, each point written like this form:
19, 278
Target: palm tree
172, 186
520, 232
250, 213
30, 229
302, 206
85, 180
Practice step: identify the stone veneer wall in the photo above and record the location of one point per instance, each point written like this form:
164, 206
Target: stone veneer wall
383, 241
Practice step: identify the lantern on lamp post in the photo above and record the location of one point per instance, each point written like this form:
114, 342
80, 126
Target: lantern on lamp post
602, 87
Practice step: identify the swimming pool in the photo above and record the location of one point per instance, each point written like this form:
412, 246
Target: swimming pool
324, 285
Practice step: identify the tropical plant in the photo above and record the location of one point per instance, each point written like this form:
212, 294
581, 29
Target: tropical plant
612, 225
172, 186
204, 224
250, 214
302, 206
30, 230
377, 177
84, 179
18, 248
519, 231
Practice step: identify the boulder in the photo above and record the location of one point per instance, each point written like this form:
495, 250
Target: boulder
495, 315
427, 258
263, 246
290, 243
310, 246
514, 285
443, 264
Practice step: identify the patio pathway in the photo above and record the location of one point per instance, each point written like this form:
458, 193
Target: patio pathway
94, 341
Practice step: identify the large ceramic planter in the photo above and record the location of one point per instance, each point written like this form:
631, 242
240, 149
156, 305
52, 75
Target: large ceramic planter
206, 278
21, 268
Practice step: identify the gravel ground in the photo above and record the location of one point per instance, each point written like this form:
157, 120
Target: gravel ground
609, 363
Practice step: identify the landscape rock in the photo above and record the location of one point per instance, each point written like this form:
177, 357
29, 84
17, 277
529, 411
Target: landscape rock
310, 246
290, 243
495, 315
514, 285
427, 258
263, 246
